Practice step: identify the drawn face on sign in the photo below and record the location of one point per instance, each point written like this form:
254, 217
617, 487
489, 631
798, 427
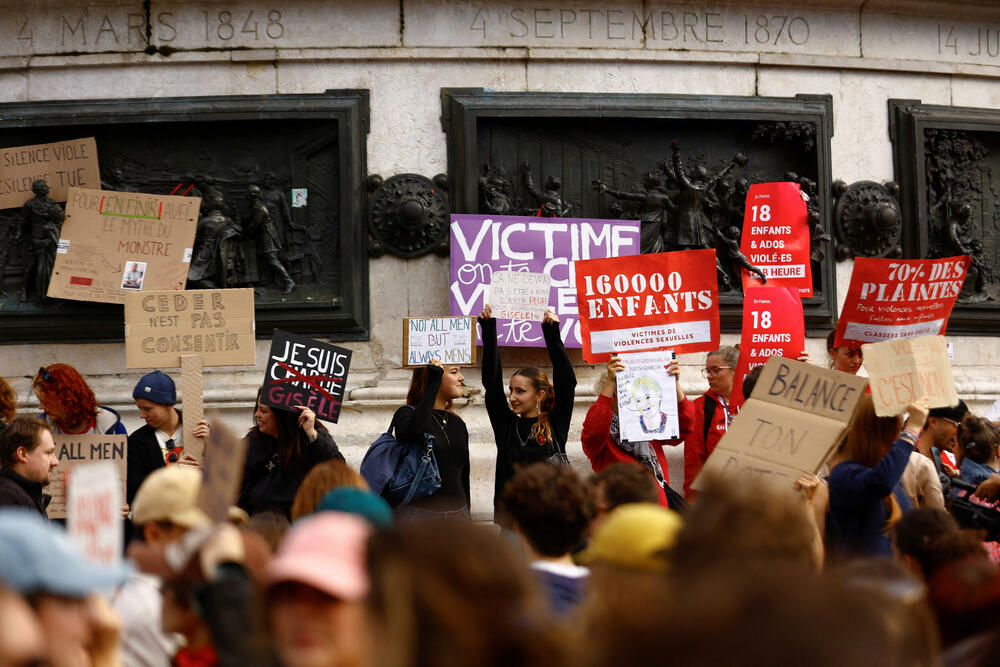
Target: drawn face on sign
646, 396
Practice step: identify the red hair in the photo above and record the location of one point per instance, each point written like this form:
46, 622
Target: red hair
66, 398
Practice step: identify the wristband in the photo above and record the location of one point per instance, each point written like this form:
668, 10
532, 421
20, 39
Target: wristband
910, 434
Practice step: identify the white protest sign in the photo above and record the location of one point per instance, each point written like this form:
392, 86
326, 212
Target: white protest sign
519, 295
902, 371
796, 415
94, 511
647, 397
450, 340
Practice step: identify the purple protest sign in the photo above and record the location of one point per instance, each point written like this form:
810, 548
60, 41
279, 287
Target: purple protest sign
482, 244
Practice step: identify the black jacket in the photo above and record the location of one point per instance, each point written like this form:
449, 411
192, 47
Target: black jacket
19, 491
144, 456
268, 486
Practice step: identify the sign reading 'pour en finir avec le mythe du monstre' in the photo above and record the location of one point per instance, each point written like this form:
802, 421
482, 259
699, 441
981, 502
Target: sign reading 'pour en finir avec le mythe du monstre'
302, 371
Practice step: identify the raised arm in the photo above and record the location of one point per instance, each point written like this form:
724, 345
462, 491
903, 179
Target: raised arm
411, 424
563, 377
496, 399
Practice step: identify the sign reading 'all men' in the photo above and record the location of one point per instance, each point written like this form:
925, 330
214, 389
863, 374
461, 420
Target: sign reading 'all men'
113, 243
450, 340
74, 450
305, 372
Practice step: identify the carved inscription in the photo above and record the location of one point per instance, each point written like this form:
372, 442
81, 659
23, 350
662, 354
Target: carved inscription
975, 41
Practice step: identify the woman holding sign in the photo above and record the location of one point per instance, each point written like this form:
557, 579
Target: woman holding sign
433, 388
601, 438
866, 497
534, 423
282, 448
712, 415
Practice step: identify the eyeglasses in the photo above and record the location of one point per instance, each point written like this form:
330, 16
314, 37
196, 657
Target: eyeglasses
713, 371
45, 375
950, 421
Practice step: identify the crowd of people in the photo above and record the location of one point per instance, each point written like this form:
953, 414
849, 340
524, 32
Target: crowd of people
865, 562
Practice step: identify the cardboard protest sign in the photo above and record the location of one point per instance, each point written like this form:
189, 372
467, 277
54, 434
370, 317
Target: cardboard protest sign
773, 326
482, 244
519, 295
222, 471
899, 298
796, 415
113, 243
94, 511
647, 397
775, 237
304, 371
61, 164
669, 300
75, 450
450, 340
192, 388
902, 371
218, 324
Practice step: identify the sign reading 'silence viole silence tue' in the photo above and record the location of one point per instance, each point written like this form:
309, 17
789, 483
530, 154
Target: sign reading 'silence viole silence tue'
305, 372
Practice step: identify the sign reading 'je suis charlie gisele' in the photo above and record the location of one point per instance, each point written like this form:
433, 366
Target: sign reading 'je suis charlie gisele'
302, 371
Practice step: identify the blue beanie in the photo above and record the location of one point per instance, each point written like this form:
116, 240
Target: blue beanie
156, 387
365, 504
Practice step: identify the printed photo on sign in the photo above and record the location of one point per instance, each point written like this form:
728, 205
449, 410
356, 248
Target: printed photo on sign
450, 340
134, 273
647, 397
776, 238
302, 371
890, 299
518, 295
663, 301
483, 244
903, 371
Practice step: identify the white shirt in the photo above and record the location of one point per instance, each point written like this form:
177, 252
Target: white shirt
162, 437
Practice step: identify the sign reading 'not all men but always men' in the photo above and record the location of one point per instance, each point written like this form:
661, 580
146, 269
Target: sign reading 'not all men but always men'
302, 371
482, 244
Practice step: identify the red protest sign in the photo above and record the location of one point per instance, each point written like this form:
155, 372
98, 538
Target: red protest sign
669, 300
775, 237
899, 298
773, 326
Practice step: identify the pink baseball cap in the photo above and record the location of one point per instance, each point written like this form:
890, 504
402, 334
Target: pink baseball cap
325, 551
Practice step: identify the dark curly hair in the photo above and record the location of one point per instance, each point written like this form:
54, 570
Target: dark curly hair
550, 506
933, 539
65, 396
623, 483
978, 438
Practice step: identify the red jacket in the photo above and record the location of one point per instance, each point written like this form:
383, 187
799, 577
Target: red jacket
603, 452
696, 446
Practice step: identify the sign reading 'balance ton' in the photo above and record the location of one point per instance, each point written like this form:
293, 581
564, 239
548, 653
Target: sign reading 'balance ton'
450, 340
305, 372
160, 327
113, 243
795, 416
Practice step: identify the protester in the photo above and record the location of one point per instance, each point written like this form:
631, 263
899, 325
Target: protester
601, 435
551, 510
161, 441
635, 536
978, 439
866, 499
844, 358
921, 482
282, 448
619, 484
939, 437
534, 426
316, 586
928, 539
370, 507
712, 416
8, 403
450, 593
433, 389
63, 588
322, 478
69, 406
27, 457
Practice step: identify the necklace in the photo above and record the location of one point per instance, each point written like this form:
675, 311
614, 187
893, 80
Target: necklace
517, 432
441, 422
